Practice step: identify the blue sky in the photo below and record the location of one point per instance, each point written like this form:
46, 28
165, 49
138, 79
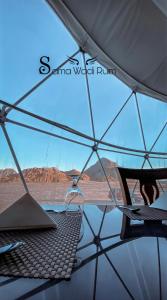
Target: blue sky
29, 30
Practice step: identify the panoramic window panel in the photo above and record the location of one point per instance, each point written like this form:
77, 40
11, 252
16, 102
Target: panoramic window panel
8, 176
63, 98
39, 32
126, 127
158, 162
47, 163
27, 121
110, 162
107, 93
161, 144
153, 115
97, 189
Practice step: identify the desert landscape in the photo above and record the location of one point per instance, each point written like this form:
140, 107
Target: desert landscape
50, 185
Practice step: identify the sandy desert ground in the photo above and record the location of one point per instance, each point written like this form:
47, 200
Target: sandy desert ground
52, 193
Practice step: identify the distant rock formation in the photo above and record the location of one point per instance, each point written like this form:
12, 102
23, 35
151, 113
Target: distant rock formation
95, 172
7, 172
8, 175
46, 175
52, 174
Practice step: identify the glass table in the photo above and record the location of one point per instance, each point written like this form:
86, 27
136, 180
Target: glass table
112, 269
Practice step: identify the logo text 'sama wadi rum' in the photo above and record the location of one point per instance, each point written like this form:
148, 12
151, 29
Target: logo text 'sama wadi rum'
75, 67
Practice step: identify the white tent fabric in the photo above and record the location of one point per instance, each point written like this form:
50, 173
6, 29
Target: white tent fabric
129, 35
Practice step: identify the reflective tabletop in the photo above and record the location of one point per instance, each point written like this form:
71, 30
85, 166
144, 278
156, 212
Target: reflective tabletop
109, 268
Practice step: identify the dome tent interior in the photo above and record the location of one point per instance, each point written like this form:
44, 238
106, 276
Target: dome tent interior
83, 151
70, 119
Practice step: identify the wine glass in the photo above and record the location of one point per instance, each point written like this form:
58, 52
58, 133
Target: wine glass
74, 198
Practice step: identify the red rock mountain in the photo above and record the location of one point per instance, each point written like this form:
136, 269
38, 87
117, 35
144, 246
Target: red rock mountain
44, 175
8, 175
49, 175
34, 175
